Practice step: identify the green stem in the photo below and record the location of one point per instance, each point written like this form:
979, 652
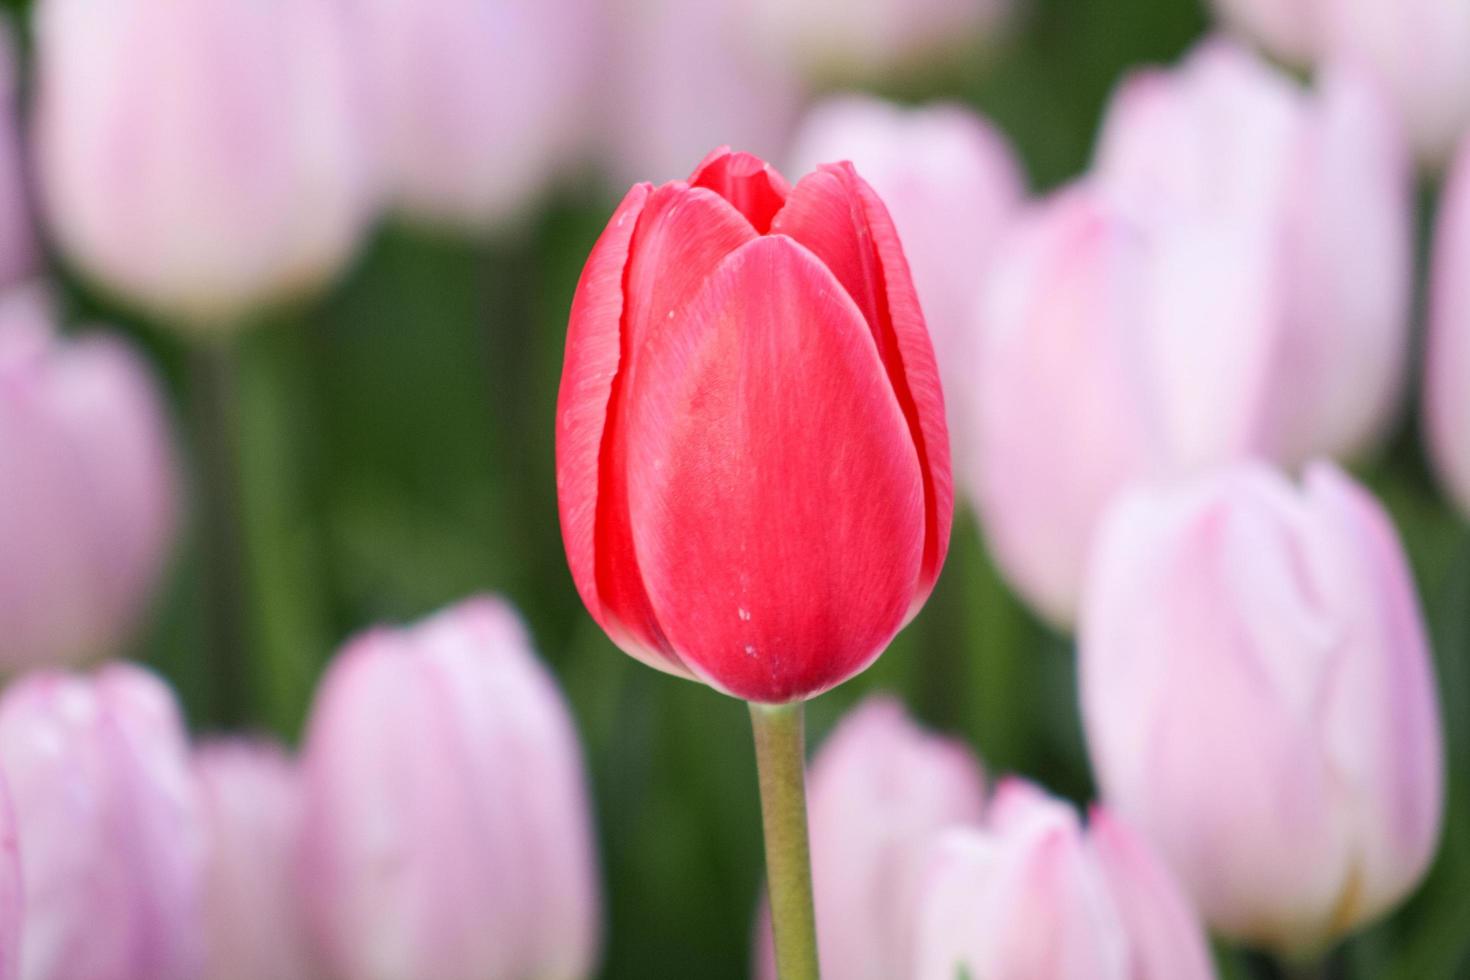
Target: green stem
216, 430
781, 762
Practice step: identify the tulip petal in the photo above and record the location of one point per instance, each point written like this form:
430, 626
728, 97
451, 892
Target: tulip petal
754, 187
825, 472
837, 215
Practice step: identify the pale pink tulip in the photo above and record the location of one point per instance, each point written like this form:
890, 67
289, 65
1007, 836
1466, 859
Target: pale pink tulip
1447, 359
254, 925
87, 476
483, 101
1259, 699
881, 789
111, 843
952, 183
12, 905
202, 157
447, 827
1034, 894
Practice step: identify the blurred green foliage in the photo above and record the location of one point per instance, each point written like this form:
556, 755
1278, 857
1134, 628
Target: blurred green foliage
396, 444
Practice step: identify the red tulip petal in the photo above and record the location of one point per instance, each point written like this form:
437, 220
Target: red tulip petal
591, 364
837, 215
682, 235
753, 186
776, 501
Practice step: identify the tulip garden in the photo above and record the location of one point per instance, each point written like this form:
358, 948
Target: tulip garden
423, 423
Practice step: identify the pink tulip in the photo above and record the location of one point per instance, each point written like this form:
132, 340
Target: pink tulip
687, 76
253, 919
87, 476
1447, 360
447, 829
752, 458
12, 905
1033, 894
952, 183
1233, 279
18, 251
482, 100
109, 827
863, 37
1259, 699
881, 789
201, 157
1288, 28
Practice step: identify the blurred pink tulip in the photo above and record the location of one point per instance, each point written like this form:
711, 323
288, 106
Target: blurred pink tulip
685, 77
201, 157
1418, 49
1447, 359
447, 827
1259, 699
87, 476
1032, 894
482, 100
18, 251
1232, 280
12, 906
109, 827
864, 37
253, 919
881, 789
951, 182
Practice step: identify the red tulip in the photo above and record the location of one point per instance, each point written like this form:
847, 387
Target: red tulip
752, 460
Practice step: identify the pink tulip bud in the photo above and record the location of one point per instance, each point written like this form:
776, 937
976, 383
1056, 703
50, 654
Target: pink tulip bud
201, 157
18, 251
109, 826
861, 37
952, 183
482, 100
880, 790
1259, 699
1201, 297
253, 919
87, 476
447, 828
1447, 360
1033, 894
752, 459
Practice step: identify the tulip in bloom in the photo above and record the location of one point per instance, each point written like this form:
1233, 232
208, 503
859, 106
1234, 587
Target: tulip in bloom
447, 832
251, 800
1447, 360
1231, 280
752, 459
881, 790
87, 476
1259, 699
480, 100
109, 826
952, 183
1033, 894
18, 251
201, 157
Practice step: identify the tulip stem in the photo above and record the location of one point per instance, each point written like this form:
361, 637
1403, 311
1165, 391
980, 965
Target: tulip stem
781, 763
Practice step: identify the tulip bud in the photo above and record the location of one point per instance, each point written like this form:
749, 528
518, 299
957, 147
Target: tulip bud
952, 182
18, 251
1259, 699
201, 158
447, 832
1447, 359
752, 460
1032, 894
253, 926
87, 476
881, 788
109, 826
481, 100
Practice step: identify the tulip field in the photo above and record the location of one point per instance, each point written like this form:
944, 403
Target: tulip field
772, 489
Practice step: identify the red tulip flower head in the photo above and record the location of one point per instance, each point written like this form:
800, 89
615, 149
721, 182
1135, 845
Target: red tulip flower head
752, 461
